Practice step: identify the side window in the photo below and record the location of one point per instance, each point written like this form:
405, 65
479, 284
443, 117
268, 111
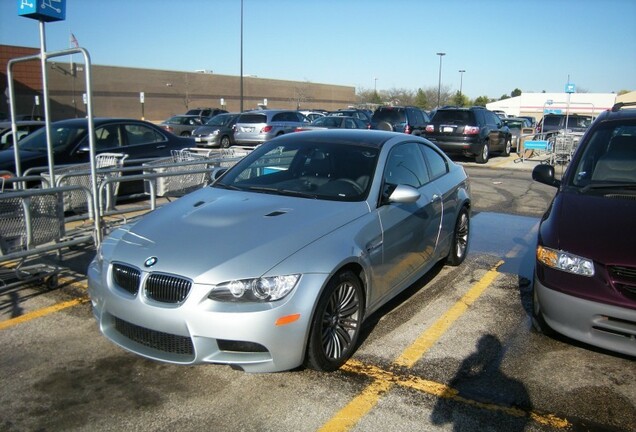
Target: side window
350, 124
479, 115
406, 166
436, 162
416, 115
280, 117
108, 137
140, 134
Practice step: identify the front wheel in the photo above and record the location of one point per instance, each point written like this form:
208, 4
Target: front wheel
507, 147
225, 141
459, 242
482, 157
336, 323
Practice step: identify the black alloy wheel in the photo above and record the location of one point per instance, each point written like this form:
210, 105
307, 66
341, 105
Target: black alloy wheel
459, 246
336, 323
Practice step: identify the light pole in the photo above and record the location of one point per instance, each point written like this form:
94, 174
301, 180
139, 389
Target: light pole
439, 84
461, 80
241, 56
375, 85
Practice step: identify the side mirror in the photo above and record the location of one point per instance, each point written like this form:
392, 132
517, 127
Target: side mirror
217, 173
545, 174
404, 194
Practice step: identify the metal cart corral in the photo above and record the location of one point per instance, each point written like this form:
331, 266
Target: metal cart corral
197, 160
32, 225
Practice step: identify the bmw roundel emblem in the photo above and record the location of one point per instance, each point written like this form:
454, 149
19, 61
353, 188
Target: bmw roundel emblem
150, 261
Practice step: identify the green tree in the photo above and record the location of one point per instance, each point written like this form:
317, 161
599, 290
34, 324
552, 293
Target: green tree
421, 99
515, 92
481, 101
460, 99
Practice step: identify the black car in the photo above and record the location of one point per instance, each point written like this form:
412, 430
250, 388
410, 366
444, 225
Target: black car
407, 119
472, 132
24, 127
217, 131
136, 138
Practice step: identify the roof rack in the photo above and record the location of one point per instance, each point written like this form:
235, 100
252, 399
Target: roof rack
621, 105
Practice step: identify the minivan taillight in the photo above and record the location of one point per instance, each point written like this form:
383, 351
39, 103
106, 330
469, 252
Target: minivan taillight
430, 128
266, 129
471, 130
408, 129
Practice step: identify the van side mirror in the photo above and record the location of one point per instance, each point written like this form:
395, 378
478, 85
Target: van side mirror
545, 174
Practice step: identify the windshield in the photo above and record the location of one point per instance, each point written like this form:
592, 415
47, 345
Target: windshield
61, 137
609, 159
327, 122
340, 172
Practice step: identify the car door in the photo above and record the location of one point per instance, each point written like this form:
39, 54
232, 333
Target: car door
497, 136
409, 230
143, 141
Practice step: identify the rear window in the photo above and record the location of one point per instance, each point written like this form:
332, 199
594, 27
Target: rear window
392, 116
460, 117
252, 118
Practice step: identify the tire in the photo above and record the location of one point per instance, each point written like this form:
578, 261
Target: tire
225, 141
459, 242
185, 134
386, 126
336, 323
538, 322
507, 148
483, 155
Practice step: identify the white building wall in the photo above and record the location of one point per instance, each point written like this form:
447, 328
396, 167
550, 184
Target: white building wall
534, 104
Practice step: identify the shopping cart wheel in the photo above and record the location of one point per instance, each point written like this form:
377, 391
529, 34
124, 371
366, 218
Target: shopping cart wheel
51, 282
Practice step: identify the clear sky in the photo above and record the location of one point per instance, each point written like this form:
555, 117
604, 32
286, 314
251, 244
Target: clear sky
502, 45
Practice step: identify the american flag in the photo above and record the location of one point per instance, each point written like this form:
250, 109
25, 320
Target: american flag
74, 43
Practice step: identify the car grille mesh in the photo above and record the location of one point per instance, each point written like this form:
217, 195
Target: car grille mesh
624, 279
126, 278
160, 341
166, 288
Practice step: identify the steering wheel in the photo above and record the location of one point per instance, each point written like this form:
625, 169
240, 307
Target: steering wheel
350, 182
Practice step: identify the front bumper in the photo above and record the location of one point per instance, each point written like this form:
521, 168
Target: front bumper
207, 140
201, 330
602, 325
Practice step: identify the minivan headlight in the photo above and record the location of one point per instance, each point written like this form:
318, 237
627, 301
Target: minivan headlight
263, 289
565, 261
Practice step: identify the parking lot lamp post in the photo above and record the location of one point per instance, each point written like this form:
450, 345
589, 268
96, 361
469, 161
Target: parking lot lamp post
241, 110
439, 84
461, 80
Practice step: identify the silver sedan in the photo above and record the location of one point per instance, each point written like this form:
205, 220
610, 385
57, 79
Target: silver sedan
278, 263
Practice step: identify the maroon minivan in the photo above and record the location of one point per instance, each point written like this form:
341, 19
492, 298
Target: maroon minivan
585, 275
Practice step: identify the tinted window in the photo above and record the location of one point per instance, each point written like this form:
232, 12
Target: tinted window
392, 116
461, 117
140, 134
253, 118
406, 166
436, 162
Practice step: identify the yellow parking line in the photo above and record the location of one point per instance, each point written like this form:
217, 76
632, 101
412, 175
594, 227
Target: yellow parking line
39, 313
349, 416
443, 391
42, 312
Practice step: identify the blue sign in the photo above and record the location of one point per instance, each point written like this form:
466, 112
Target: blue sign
570, 88
43, 10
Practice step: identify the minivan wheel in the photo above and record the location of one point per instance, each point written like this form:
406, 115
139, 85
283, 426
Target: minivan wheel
482, 157
225, 141
336, 323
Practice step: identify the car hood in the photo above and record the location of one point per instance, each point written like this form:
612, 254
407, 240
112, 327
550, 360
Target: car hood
206, 129
214, 234
27, 159
596, 227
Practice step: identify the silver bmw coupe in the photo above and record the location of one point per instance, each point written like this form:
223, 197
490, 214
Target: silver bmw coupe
278, 263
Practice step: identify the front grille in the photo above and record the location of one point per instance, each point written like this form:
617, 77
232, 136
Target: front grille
126, 277
624, 279
166, 288
160, 341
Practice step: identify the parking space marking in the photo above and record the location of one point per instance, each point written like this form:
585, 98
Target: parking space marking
361, 404
387, 378
39, 313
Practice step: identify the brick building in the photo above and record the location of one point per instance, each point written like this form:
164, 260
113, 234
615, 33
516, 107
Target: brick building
116, 90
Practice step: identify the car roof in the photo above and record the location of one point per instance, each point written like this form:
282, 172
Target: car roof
361, 137
96, 121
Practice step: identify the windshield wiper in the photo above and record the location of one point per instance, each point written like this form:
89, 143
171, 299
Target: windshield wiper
226, 186
288, 192
594, 186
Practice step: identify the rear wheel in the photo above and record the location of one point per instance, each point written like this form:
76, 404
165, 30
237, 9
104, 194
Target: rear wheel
336, 323
459, 245
507, 147
483, 155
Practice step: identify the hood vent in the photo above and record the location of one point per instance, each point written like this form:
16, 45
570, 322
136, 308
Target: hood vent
276, 213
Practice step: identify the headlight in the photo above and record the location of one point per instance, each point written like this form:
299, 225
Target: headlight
264, 289
216, 132
564, 261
